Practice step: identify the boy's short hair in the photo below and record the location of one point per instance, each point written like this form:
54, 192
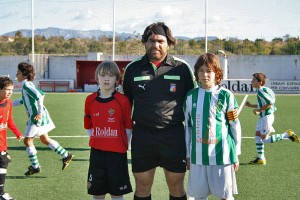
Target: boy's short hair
5, 81
260, 77
108, 67
212, 62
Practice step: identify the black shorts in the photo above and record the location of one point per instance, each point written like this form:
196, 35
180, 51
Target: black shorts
108, 173
4, 160
151, 148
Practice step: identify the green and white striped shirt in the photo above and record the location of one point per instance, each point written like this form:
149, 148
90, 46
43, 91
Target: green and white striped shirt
210, 138
33, 98
266, 96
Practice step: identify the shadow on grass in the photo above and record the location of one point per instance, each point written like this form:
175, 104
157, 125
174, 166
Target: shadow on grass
24, 177
87, 159
80, 159
250, 165
245, 164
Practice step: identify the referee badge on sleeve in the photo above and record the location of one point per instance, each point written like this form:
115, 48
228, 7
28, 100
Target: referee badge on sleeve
172, 87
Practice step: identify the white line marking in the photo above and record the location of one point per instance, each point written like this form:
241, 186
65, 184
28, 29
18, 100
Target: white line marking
242, 104
59, 136
82, 136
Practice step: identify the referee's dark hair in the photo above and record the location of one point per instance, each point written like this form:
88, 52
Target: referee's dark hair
152, 29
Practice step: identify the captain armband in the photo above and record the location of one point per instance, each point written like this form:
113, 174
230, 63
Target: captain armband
232, 115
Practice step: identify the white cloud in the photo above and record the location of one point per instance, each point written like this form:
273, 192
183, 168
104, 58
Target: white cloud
5, 16
214, 18
83, 15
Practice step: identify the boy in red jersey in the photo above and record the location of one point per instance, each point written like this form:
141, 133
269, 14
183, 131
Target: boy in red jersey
6, 120
108, 122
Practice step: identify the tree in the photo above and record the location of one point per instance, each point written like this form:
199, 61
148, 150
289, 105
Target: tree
286, 45
18, 34
19, 46
230, 46
293, 47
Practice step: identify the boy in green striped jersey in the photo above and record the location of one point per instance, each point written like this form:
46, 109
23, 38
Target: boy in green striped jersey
213, 133
265, 109
39, 122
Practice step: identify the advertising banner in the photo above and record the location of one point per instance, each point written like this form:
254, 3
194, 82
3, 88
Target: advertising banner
278, 86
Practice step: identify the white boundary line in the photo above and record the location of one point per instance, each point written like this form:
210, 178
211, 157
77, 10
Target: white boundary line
59, 136
242, 104
83, 136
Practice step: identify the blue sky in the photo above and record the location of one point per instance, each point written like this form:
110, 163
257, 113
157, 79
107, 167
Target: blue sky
251, 19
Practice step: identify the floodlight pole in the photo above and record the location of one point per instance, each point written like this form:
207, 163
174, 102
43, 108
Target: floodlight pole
32, 30
225, 64
206, 25
114, 31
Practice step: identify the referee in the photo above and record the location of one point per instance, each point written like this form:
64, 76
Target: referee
156, 85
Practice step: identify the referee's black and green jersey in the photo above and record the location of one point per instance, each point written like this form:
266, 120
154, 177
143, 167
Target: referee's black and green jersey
157, 94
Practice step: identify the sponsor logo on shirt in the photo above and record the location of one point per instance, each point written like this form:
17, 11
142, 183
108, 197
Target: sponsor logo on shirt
123, 188
111, 119
105, 132
207, 140
142, 86
96, 114
3, 126
208, 137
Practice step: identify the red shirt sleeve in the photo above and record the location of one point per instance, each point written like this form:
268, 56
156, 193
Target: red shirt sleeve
10, 121
87, 115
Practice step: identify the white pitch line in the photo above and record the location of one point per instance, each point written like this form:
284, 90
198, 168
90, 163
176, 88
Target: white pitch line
82, 136
242, 104
59, 136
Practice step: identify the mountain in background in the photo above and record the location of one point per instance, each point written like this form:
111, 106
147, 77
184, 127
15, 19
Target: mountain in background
69, 33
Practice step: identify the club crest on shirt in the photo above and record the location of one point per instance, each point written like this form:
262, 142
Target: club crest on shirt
172, 87
111, 112
217, 107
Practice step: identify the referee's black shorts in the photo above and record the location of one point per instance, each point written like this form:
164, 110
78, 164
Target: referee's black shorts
165, 147
108, 173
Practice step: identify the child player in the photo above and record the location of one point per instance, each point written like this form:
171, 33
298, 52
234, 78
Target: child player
213, 133
108, 122
6, 120
265, 109
39, 122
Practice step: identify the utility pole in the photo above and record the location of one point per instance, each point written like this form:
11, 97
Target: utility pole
225, 64
114, 31
32, 30
206, 25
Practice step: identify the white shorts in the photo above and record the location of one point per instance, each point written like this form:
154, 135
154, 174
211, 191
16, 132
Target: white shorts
265, 124
218, 180
33, 130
